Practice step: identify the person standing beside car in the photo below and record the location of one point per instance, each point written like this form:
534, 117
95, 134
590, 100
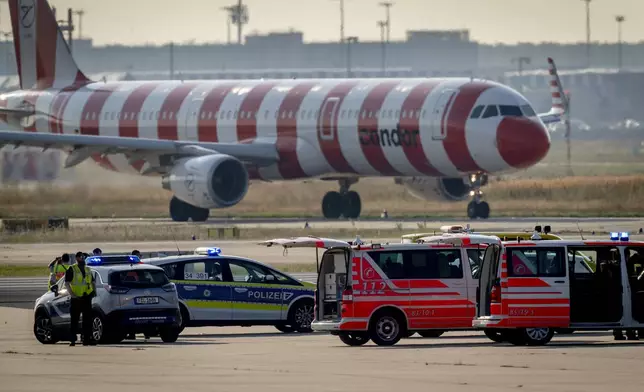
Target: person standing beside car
81, 286
57, 269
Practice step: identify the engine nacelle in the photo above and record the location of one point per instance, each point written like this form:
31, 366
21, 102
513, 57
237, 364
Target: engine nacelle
430, 188
209, 181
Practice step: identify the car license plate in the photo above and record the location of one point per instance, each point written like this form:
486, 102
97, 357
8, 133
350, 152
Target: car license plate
146, 300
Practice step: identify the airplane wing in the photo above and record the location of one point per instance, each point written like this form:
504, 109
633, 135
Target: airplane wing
559, 99
82, 147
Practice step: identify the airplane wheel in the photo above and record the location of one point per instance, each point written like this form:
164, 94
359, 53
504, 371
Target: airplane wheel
351, 205
332, 205
200, 214
478, 210
179, 210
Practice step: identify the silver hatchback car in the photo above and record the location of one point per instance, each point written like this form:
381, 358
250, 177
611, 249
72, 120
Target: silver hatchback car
131, 297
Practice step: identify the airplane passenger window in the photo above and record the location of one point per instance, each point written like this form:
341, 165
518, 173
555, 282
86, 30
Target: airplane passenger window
390, 114
510, 110
290, 114
397, 113
424, 112
93, 115
490, 111
364, 114
170, 115
528, 111
266, 115
349, 113
370, 114
229, 115
235, 116
404, 114
164, 115
417, 114
343, 113
477, 111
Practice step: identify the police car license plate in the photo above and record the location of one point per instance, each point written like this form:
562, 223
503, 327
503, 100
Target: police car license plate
146, 300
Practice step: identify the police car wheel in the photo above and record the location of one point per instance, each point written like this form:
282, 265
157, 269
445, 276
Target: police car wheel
285, 328
538, 336
354, 338
385, 329
301, 316
44, 330
98, 329
169, 335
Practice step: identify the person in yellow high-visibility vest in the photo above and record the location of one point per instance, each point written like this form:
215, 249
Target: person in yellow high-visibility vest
81, 286
57, 269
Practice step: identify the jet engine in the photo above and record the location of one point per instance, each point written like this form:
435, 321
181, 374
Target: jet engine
209, 181
430, 188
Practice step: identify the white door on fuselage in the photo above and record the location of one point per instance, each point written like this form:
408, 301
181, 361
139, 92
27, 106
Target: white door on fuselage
327, 119
438, 130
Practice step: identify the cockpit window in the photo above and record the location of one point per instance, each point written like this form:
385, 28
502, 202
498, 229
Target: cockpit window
528, 111
477, 111
490, 111
509, 110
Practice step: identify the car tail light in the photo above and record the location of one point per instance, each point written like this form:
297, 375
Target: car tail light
347, 295
170, 287
115, 289
495, 294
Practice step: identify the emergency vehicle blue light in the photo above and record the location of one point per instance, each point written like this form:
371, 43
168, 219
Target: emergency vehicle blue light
102, 260
214, 251
619, 236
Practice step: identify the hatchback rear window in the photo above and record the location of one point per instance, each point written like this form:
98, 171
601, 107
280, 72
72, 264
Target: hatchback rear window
139, 278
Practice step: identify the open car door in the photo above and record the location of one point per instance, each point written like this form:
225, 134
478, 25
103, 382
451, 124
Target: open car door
487, 279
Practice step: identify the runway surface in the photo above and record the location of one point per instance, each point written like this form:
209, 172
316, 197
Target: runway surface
255, 359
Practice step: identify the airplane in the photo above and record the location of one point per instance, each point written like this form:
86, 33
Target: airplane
207, 140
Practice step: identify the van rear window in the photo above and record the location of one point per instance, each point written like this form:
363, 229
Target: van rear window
536, 262
420, 263
139, 278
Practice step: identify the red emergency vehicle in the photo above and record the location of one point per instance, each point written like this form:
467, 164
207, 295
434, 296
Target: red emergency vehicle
528, 289
384, 292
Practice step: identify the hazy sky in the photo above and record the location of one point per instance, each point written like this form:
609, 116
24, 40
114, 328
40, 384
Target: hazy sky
489, 21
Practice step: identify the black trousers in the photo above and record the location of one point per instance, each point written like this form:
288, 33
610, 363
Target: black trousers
81, 305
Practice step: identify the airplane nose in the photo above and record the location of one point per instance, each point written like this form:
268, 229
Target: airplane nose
522, 142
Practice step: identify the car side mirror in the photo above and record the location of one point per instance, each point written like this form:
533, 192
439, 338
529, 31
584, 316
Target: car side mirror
54, 289
269, 278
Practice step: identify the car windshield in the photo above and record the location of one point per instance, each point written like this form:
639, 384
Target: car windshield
139, 278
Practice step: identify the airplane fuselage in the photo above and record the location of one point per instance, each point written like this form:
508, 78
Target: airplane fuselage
363, 127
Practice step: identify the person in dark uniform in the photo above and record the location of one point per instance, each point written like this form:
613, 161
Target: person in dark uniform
82, 288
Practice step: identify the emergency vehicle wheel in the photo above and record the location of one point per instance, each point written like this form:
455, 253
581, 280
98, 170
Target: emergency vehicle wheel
332, 205
431, 333
385, 329
537, 336
495, 335
43, 329
354, 338
169, 335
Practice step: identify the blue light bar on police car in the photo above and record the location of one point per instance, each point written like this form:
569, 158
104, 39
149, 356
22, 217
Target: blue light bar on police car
214, 251
619, 236
104, 260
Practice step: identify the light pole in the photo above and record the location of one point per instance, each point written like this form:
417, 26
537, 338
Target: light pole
620, 19
80, 13
387, 5
229, 18
341, 20
382, 25
350, 40
587, 32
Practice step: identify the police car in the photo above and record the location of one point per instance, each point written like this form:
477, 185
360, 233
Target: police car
131, 297
221, 290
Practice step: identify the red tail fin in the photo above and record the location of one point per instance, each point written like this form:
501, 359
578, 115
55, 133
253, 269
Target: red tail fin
43, 57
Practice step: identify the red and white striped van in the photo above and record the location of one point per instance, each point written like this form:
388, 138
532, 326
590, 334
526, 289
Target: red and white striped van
529, 289
383, 292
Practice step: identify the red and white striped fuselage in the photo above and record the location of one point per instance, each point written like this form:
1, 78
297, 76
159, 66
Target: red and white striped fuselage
365, 127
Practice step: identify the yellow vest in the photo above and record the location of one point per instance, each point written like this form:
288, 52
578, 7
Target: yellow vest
57, 271
81, 286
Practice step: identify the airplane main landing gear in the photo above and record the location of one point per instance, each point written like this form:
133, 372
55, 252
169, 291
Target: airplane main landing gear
343, 203
180, 211
478, 208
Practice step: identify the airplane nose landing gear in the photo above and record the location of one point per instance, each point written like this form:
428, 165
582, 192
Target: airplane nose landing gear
343, 203
478, 208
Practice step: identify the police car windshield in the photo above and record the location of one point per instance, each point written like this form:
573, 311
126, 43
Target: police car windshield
139, 278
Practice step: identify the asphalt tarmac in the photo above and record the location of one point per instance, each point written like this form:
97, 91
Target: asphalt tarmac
255, 359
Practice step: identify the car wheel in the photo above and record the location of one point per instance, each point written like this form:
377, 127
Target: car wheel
284, 328
537, 336
354, 338
385, 329
301, 316
495, 335
43, 329
431, 333
185, 318
99, 334
169, 335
